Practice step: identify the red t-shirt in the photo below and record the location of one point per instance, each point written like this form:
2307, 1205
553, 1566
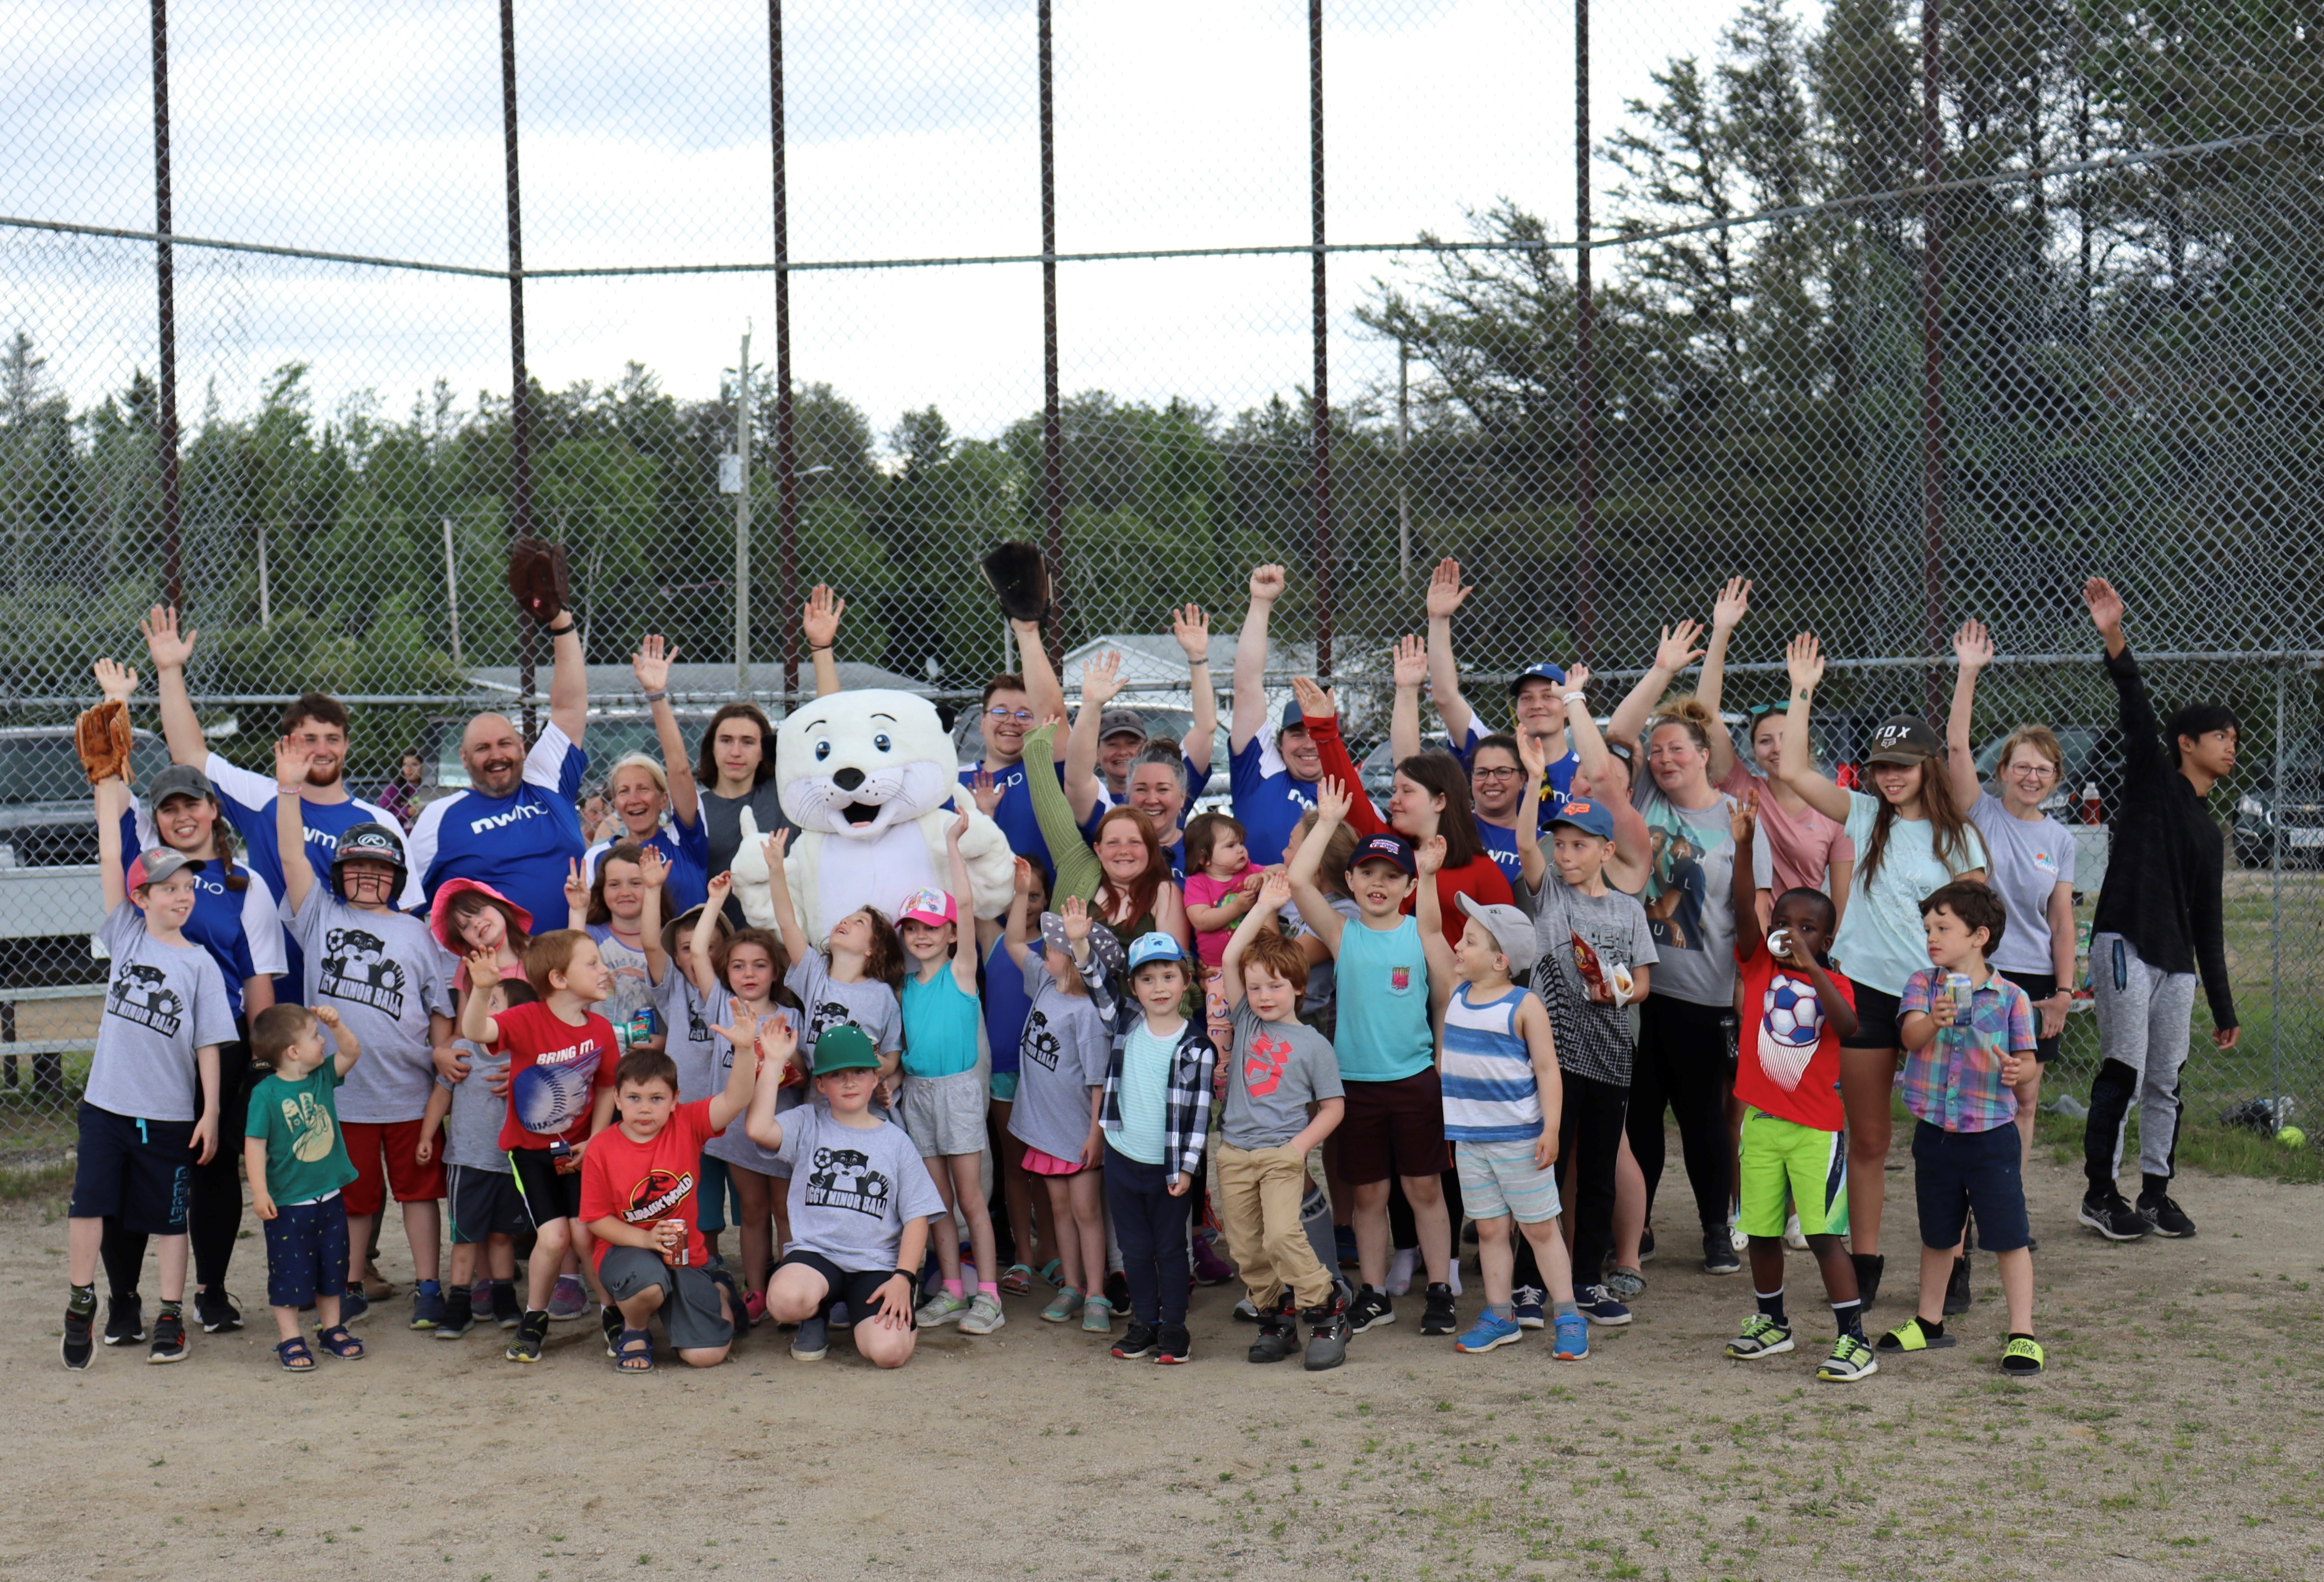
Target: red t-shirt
555, 1070
1788, 1057
642, 1184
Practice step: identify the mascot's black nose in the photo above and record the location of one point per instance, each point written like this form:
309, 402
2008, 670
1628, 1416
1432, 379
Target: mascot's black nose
848, 779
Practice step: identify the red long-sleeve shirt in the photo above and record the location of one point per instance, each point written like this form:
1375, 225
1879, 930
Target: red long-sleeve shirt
1480, 878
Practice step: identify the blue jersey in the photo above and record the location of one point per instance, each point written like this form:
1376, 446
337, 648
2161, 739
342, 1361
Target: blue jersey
1561, 777
521, 844
248, 802
241, 932
1501, 845
1006, 1007
688, 852
1269, 800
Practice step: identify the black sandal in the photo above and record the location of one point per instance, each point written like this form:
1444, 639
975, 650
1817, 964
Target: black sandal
339, 1343
294, 1356
634, 1353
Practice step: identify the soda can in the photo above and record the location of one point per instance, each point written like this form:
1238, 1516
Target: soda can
675, 1255
1958, 986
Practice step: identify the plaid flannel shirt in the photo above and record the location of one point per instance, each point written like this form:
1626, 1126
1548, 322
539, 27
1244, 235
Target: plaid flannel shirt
1955, 1081
1185, 1107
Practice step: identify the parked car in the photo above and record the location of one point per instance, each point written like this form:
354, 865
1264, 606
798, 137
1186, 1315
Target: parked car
2284, 809
50, 902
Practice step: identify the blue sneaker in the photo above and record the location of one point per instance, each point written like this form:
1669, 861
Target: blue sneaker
1572, 1338
841, 1319
428, 1308
1599, 1306
1490, 1330
352, 1304
810, 1341
1529, 1299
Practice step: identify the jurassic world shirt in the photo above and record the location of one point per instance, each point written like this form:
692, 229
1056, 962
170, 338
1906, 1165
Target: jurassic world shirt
1278, 1070
384, 972
306, 1157
644, 1183
163, 1003
853, 1188
555, 1070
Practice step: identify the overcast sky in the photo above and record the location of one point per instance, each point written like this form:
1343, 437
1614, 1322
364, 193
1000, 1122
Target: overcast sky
376, 128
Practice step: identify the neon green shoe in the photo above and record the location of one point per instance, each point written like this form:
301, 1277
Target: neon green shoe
1762, 1337
1852, 1359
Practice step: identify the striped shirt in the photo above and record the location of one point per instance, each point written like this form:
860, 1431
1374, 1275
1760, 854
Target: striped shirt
1489, 1092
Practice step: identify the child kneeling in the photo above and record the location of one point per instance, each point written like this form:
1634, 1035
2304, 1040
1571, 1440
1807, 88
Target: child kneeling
640, 1200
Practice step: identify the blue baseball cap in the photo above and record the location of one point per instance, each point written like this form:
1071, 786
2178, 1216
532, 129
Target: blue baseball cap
1591, 818
1154, 947
1393, 849
1293, 718
1544, 671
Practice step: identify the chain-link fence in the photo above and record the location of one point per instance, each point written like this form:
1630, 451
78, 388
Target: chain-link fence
1909, 312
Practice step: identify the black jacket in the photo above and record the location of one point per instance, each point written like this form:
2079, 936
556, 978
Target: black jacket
2161, 888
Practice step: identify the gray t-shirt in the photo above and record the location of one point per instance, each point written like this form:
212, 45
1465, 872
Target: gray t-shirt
853, 1188
1063, 1055
2025, 862
734, 1145
1279, 1068
1584, 936
163, 1003
384, 972
686, 1035
471, 1131
871, 1006
1690, 895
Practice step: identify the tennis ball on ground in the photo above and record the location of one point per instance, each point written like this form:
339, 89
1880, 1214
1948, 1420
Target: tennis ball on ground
2292, 1138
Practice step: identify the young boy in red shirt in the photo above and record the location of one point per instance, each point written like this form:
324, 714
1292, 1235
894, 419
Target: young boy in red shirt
639, 1202
561, 1063
1794, 1009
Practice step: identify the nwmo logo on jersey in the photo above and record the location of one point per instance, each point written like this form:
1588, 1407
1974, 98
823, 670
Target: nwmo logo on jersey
323, 838
501, 821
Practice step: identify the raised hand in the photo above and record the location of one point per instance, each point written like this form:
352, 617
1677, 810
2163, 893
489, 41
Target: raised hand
1534, 757
1410, 660
483, 970
1314, 703
576, 889
819, 621
1275, 893
290, 760
1428, 857
1191, 628
116, 680
1577, 678
777, 1041
1102, 679
772, 847
1021, 875
1076, 917
653, 868
1973, 646
1744, 817
169, 651
1676, 650
981, 787
957, 830
744, 1034
720, 886
1803, 661
1446, 593
1331, 803
328, 1016
651, 664
1266, 583
2107, 608
1733, 603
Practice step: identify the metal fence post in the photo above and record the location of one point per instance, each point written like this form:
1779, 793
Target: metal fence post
742, 521
520, 383
1053, 480
2275, 906
165, 302
786, 455
1585, 373
1932, 396
1321, 416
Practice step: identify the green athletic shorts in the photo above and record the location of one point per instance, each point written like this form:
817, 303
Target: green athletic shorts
1787, 1165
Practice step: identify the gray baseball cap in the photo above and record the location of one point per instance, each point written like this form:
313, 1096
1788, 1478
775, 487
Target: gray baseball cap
1121, 722
1511, 930
158, 864
177, 780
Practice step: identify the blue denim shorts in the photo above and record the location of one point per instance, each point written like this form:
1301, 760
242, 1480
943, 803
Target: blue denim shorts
1958, 1174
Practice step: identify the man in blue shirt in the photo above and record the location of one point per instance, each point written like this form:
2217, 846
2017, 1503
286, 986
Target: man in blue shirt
1274, 771
517, 826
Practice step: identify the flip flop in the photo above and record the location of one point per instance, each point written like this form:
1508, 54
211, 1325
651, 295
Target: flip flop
1909, 1335
339, 1343
294, 1356
635, 1355
1017, 1280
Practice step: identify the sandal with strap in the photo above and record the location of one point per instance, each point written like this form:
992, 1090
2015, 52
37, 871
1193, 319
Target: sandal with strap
634, 1352
1054, 1272
1909, 1335
2023, 1358
339, 1343
1017, 1280
294, 1356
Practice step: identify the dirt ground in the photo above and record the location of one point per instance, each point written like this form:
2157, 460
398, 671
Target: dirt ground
2179, 1433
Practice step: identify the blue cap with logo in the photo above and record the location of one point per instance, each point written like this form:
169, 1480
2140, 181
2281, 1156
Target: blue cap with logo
1393, 849
1591, 818
1154, 947
1544, 671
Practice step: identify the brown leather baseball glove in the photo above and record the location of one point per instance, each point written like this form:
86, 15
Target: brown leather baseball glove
101, 736
537, 578
1020, 579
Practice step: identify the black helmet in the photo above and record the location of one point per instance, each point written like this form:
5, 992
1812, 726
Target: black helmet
371, 841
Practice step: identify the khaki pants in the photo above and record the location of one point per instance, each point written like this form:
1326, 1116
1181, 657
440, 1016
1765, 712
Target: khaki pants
1259, 1192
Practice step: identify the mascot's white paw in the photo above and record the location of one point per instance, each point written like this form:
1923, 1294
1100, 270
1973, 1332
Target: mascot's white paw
869, 777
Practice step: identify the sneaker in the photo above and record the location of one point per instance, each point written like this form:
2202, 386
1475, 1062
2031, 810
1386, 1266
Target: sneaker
1489, 1332
1278, 1335
1869, 1268
1246, 1312
609, 1323
168, 1338
1529, 1305
215, 1312
1793, 1237
839, 1317
427, 1305
1063, 1307
943, 1308
1572, 1336
1647, 1246
1138, 1341
754, 1309
352, 1304
459, 1314
1173, 1345
1116, 1291
1957, 1297
1097, 1316
124, 1319
1328, 1329
1343, 1238
1718, 1253
983, 1315
1762, 1337
1210, 1269
1625, 1284
480, 1298
531, 1330
1399, 1270
567, 1301
811, 1340
1370, 1309
1438, 1318
507, 1311
2164, 1217
1852, 1359
2106, 1213
76, 1348
1600, 1306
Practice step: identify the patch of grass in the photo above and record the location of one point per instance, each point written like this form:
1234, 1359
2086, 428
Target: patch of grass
2226, 1150
41, 1183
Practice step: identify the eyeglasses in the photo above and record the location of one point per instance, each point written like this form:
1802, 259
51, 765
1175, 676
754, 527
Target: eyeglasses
2034, 771
1022, 716
1498, 774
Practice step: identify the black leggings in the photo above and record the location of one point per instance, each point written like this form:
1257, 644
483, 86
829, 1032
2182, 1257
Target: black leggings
213, 1204
1682, 1066
1589, 1141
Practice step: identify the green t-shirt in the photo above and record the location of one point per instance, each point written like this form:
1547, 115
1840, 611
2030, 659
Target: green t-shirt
306, 1157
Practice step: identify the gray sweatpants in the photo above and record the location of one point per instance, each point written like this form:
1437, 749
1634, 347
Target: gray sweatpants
2145, 1022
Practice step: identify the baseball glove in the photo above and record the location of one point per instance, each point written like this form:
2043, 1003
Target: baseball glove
101, 736
1020, 579
537, 578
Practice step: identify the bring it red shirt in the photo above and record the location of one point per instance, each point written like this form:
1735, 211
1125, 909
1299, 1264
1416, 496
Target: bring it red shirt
555, 1070
1788, 1056
642, 1184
